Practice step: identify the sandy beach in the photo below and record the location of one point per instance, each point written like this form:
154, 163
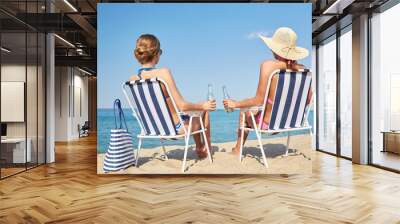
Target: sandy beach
299, 160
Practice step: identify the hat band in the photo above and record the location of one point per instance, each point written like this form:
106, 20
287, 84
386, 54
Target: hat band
288, 49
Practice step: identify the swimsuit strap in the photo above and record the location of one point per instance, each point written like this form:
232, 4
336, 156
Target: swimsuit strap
144, 69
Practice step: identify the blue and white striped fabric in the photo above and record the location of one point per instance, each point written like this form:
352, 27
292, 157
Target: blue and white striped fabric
120, 151
289, 105
151, 107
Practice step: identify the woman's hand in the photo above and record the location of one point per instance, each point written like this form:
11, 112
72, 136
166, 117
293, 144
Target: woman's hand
229, 103
209, 105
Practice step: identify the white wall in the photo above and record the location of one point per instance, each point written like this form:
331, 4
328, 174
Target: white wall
13, 101
79, 117
70, 83
62, 81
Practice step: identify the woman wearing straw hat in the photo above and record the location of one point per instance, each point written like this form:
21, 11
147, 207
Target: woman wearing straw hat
286, 54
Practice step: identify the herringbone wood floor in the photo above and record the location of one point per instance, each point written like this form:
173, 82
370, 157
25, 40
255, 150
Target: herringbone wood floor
70, 191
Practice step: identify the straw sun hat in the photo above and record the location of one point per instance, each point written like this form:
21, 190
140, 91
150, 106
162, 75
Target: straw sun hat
283, 43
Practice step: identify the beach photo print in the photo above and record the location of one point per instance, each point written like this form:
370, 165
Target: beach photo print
205, 89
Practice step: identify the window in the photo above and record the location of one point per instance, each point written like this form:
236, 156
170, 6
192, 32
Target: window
346, 92
22, 86
327, 96
385, 89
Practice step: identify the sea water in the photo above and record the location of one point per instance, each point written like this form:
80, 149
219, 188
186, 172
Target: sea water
223, 128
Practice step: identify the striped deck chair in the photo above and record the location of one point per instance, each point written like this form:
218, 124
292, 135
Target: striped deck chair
289, 108
149, 107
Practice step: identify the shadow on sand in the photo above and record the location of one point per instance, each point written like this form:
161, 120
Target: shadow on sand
271, 151
177, 154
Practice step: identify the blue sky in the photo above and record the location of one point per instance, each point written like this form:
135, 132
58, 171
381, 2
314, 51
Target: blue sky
201, 43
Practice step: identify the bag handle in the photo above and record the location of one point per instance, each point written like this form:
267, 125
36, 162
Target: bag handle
120, 117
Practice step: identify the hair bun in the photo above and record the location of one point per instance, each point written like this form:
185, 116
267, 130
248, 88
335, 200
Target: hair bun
147, 47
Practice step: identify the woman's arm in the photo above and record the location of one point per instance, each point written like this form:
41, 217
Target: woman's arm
133, 78
179, 100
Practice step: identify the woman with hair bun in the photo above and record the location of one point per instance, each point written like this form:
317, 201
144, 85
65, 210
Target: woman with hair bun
147, 53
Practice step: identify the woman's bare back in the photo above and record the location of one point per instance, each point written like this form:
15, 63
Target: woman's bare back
163, 74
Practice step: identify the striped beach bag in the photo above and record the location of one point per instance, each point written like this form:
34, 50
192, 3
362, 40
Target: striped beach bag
120, 150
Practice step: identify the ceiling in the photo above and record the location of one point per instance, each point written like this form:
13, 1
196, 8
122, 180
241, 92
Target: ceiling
75, 22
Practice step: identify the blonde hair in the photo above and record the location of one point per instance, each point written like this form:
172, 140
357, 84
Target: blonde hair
289, 63
147, 48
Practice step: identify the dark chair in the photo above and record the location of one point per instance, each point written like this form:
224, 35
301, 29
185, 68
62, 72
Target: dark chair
84, 130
